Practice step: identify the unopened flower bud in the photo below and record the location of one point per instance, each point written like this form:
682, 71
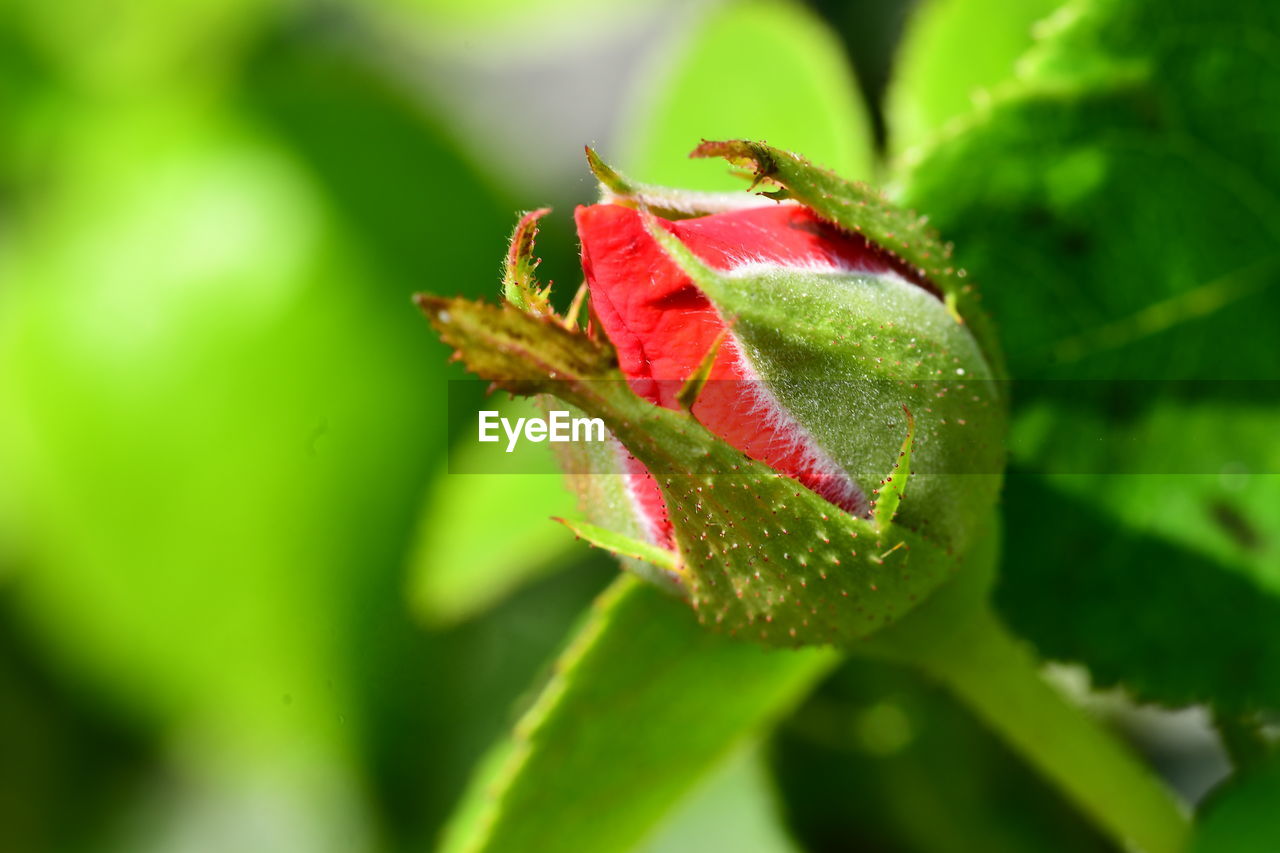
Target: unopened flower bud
811, 412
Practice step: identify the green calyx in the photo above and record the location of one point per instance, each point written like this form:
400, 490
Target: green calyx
885, 376
756, 553
851, 357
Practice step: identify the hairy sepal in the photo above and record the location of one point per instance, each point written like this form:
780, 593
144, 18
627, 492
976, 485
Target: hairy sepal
596, 472
615, 188
520, 284
756, 554
863, 210
850, 357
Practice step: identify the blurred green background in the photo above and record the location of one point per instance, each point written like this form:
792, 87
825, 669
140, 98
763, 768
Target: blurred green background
242, 604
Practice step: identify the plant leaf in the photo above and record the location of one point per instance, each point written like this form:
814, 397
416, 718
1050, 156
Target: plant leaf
1175, 626
484, 532
1241, 818
644, 701
951, 53
735, 809
1122, 228
763, 69
1104, 157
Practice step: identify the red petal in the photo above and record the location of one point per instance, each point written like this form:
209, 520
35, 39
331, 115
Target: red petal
663, 326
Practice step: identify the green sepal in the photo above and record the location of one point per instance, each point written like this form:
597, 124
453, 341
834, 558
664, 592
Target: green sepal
894, 486
621, 545
693, 385
666, 202
845, 354
520, 285
519, 352
862, 210
761, 555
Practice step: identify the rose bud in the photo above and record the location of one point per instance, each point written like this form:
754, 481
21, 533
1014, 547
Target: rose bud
812, 428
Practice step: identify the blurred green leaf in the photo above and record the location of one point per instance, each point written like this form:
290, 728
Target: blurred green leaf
1174, 625
881, 758
735, 809
1119, 205
1098, 172
137, 45
437, 701
379, 150
759, 69
1197, 470
951, 52
330, 102
643, 702
213, 416
167, 273
1241, 817
484, 531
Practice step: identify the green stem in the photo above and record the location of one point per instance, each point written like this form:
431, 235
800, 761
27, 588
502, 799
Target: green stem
997, 676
